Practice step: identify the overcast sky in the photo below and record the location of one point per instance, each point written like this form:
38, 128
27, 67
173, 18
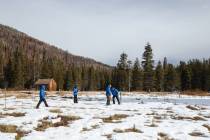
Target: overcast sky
103, 29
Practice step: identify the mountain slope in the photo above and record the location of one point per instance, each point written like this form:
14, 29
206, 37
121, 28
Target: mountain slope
24, 59
13, 38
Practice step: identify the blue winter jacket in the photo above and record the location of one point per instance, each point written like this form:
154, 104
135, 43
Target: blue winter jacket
42, 92
108, 91
75, 91
114, 91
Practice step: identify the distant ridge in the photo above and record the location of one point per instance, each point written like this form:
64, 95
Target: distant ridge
12, 39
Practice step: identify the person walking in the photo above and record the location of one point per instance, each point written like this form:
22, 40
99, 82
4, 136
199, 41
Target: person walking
42, 96
108, 94
75, 93
115, 94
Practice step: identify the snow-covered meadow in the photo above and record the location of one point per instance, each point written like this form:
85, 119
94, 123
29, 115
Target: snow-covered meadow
139, 116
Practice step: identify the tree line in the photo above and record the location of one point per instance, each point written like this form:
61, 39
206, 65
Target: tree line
163, 76
20, 71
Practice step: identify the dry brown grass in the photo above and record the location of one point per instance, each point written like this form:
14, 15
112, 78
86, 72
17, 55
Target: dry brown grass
192, 107
84, 129
117, 130
13, 129
164, 136
199, 118
197, 134
195, 118
57, 110
152, 125
207, 126
195, 93
114, 118
43, 125
23, 96
206, 116
8, 128
64, 121
108, 136
20, 134
95, 126
132, 129
14, 114
152, 114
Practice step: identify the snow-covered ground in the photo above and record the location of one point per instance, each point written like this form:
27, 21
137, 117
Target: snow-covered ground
138, 117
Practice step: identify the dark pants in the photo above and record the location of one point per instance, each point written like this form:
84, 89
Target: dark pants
75, 99
108, 98
117, 97
40, 101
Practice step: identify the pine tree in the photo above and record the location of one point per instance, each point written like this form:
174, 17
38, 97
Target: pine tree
84, 78
165, 63
185, 76
170, 78
196, 68
165, 71
91, 79
102, 80
137, 76
68, 79
9, 73
59, 74
208, 77
123, 62
148, 65
122, 73
45, 69
159, 77
1, 66
205, 75
19, 68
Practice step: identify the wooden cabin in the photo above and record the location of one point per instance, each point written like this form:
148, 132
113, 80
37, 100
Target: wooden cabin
50, 84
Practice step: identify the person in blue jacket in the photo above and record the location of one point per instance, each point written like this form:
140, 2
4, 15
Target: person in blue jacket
42, 96
108, 94
75, 93
115, 94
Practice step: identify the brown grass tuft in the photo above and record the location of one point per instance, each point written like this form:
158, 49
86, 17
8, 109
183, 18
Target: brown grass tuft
108, 136
164, 136
207, 126
132, 129
14, 129
195, 118
46, 123
8, 128
192, 107
14, 114
114, 118
195, 93
56, 110
197, 134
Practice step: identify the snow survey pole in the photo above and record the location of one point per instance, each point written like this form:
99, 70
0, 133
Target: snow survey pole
120, 97
5, 97
129, 76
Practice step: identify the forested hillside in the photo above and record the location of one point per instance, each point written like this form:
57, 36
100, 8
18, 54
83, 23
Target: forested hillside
24, 59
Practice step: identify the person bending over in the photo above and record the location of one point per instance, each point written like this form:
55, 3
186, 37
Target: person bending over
115, 94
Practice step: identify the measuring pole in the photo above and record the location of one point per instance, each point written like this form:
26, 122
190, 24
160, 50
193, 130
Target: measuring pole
120, 98
5, 99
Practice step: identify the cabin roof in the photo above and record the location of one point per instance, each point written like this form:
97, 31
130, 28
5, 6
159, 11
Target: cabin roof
43, 81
